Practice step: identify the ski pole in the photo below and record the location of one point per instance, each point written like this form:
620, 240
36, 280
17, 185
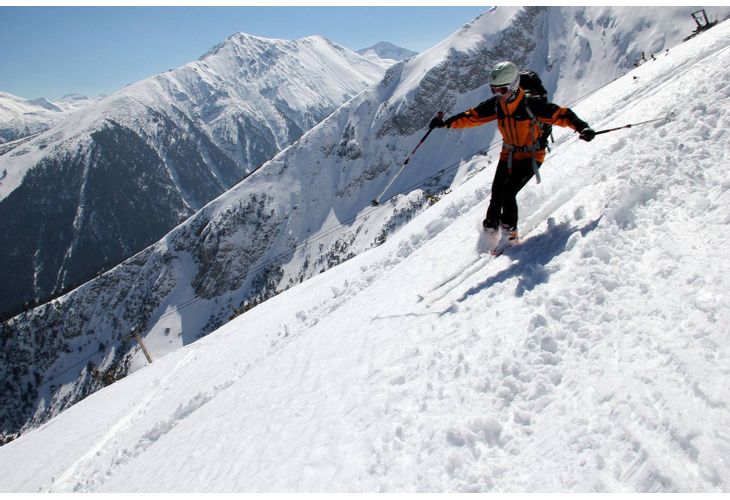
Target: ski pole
670, 116
376, 201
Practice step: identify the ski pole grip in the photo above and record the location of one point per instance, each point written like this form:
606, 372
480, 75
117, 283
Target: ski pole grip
440, 117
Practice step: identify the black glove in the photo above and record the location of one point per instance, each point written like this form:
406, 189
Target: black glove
587, 134
437, 122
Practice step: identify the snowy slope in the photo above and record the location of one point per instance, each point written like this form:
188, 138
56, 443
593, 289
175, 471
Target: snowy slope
593, 357
306, 210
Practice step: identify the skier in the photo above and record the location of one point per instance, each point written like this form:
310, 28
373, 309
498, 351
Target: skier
518, 118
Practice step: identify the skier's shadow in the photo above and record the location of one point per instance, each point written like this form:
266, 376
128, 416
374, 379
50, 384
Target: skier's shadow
529, 260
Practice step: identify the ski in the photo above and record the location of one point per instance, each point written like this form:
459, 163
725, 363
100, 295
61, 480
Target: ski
466, 270
460, 277
489, 247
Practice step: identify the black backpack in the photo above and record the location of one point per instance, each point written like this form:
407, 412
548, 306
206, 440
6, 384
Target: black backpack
532, 85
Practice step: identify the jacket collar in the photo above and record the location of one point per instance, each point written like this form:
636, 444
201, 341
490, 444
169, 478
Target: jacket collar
510, 107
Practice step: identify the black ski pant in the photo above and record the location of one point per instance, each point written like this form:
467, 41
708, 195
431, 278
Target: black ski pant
505, 186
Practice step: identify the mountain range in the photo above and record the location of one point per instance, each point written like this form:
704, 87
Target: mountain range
308, 209
88, 189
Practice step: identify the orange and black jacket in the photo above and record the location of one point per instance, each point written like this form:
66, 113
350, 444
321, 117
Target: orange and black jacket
519, 126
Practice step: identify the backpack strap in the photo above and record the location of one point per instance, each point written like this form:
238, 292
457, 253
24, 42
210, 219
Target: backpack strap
533, 146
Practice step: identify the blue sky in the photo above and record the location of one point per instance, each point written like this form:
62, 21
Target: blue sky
53, 51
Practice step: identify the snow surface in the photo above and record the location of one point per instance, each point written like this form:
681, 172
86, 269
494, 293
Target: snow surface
592, 357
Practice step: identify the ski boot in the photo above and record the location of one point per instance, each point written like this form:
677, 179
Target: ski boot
493, 235
513, 236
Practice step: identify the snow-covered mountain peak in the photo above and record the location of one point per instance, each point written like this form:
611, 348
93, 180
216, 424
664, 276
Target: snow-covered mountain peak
386, 51
244, 44
317, 39
244, 48
44, 103
298, 74
74, 97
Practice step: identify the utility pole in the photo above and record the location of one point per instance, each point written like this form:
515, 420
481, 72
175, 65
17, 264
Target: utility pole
141, 344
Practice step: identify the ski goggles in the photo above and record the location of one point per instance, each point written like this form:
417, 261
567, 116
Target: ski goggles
501, 90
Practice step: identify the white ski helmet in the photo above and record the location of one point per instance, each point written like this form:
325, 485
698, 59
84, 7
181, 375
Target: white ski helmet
505, 74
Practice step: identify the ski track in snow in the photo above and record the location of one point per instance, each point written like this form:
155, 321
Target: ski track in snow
75, 477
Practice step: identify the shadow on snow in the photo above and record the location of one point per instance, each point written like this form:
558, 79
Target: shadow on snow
529, 260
